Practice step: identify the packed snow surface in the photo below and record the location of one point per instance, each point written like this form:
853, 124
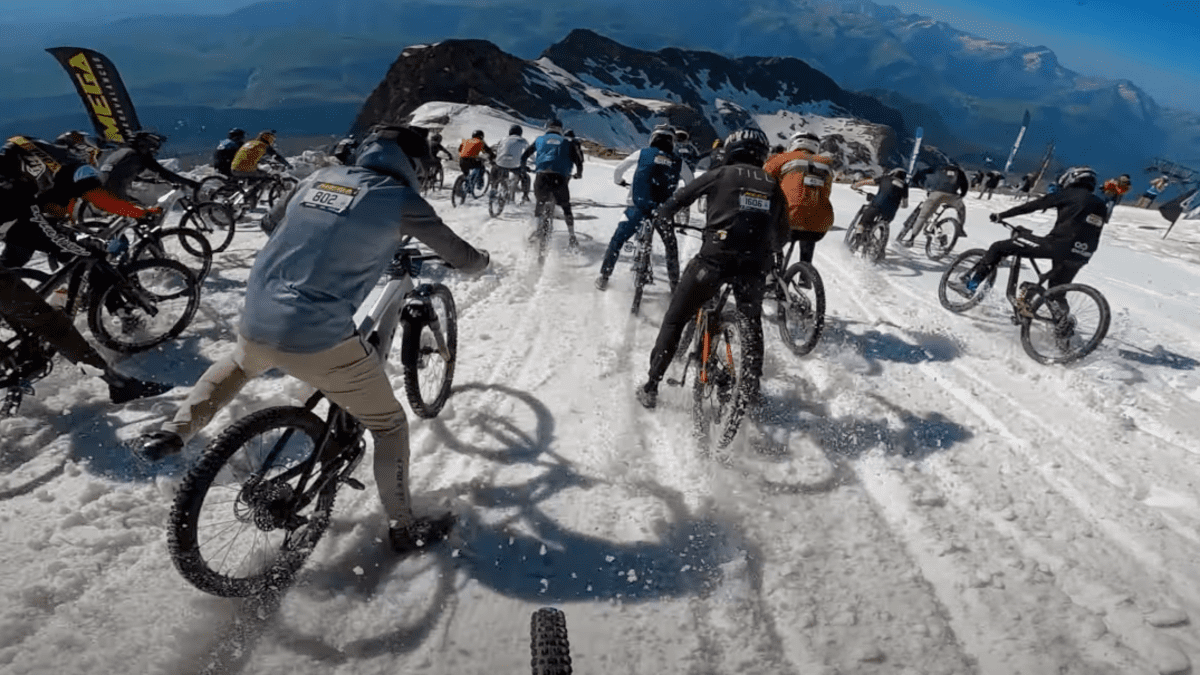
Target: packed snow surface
927, 500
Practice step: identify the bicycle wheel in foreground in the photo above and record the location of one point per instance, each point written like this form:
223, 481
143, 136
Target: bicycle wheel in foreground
243, 522
548, 645
801, 308
718, 401
458, 192
428, 372
155, 305
957, 300
1068, 322
217, 221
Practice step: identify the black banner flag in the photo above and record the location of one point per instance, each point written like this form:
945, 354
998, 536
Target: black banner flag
104, 95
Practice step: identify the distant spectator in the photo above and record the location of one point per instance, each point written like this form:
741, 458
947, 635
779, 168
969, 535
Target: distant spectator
990, 183
1114, 189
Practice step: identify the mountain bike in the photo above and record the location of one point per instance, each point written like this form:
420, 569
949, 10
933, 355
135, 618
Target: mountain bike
941, 230
504, 192
251, 510
472, 184
643, 274
24, 359
549, 648
799, 295
868, 240
432, 175
1059, 324
241, 195
715, 343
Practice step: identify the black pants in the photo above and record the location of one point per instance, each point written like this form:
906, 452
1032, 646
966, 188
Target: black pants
1066, 264
808, 243
700, 281
23, 239
553, 186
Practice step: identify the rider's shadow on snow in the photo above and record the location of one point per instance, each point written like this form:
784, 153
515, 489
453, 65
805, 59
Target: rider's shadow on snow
875, 346
1159, 356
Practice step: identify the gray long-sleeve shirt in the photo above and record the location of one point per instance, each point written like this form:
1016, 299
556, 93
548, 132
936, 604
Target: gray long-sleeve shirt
335, 238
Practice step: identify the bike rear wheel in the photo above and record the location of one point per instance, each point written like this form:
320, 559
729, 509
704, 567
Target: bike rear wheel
852, 242
480, 185
549, 647
458, 193
545, 225
428, 373
955, 300
497, 199
641, 273
155, 303
217, 221
718, 398
280, 187
185, 245
215, 188
801, 313
1066, 323
236, 529
941, 238
906, 230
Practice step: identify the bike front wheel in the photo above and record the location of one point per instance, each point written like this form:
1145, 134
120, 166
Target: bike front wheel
853, 242
718, 398
550, 650
185, 245
941, 238
480, 185
801, 313
217, 221
154, 303
428, 351
247, 514
1065, 324
280, 188
959, 300
496, 200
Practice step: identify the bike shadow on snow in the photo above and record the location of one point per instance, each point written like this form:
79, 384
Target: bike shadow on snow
1159, 356
876, 346
512, 540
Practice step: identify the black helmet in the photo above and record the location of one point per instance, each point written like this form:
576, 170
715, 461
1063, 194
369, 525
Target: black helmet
478, 133
436, 138
1082, 176
147, 141
554, 125
746, 146
899, 173
569, 133
237, 134
663, 138
80, 145
681, 135
515, 130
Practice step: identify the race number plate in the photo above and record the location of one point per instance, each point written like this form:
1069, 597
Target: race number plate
754, 201
329, 197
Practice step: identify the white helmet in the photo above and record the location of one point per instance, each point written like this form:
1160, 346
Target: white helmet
804, 141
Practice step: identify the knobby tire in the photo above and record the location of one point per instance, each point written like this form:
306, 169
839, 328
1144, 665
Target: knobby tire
421, 360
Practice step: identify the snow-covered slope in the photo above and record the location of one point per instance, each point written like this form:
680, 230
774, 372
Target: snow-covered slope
926, 499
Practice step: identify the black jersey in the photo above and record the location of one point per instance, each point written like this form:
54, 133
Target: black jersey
1081, 216
746, 211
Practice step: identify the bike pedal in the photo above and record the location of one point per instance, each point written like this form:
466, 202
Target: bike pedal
354, 483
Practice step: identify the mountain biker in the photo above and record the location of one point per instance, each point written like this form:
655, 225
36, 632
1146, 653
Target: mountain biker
686, 150
1114, 190
33, 175
946, 185
1026, 184
245, 162
508, 159
301, 296
746, 227
344, 150
806, 178
26, 236
223, 156
470, 151
553, 159
436, 148
1156, 187
892, 194
657, 172
1071, 242
990, 182
716, 154
125, 164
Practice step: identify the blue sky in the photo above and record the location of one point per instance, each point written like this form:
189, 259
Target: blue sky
1154, 43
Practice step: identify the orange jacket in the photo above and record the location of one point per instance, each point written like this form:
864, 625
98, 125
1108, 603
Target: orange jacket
470, 147
1112, 187
248, 155
806, 180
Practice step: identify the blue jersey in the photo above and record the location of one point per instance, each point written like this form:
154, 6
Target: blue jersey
552, 153
655, 178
